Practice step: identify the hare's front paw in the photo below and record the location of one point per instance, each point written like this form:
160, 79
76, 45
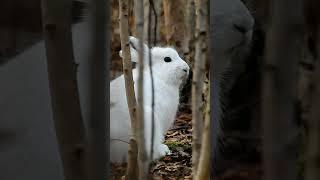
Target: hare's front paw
165, 149
161, 151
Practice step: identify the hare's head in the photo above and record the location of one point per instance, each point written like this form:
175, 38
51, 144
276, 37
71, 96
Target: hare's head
166, 62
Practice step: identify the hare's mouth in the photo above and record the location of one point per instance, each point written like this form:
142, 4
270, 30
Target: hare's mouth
184, 76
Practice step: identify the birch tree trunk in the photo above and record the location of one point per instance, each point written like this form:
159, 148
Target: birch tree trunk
99, 114
62, 71
188, 45
198, 79
283, 51
203, 172
143, 159
174, 22
132, 169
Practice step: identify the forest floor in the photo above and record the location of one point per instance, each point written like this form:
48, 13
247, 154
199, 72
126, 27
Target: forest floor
174, 166
177, 166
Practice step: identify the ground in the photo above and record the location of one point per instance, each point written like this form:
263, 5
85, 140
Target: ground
174, 166
177, 166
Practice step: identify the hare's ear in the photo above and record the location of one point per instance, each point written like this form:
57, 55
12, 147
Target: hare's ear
134, 43
133, 54
134, 47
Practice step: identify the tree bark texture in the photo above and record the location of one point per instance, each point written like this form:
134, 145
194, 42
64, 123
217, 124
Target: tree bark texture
198, 80
155, 19
283, 51
143, 159
132, 174
313, 142
133, 165
62, 71
203, 172
313, 115
188, 45
174, 22
98, 124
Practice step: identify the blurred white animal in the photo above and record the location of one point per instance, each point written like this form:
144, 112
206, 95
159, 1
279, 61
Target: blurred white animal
169, 72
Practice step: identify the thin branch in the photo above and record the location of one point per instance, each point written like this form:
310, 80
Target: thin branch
130, 94
143, 159
151, 3
151, 6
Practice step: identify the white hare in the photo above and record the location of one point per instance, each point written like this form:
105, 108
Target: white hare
169, 72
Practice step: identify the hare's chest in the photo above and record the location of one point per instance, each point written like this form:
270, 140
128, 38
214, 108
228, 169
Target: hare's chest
164, 94
165, 97
166, 101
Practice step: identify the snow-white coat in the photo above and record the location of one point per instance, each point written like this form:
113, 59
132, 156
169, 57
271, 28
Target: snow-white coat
169, 72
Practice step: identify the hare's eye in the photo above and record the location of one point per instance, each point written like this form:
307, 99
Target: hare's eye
167, 59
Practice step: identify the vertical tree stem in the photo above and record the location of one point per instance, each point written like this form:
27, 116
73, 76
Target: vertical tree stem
143, 159
283, 51
99, 114
204, 160
70, 131
313, 144
197, 82
132, 173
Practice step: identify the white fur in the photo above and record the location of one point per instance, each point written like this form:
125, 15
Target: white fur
168, 77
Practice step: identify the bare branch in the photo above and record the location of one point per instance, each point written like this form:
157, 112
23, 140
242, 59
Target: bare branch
151, 8
132, 174
64, 88
143, 159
